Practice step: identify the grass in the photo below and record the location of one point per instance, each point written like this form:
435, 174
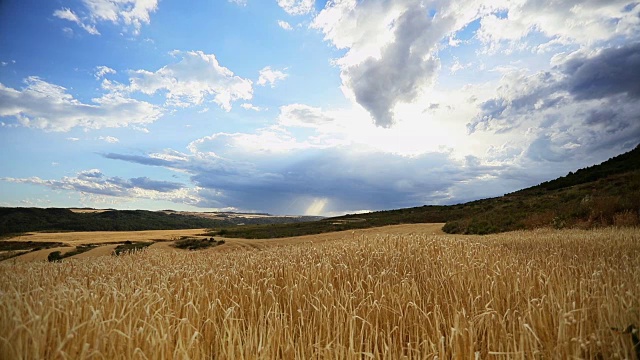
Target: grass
520, 295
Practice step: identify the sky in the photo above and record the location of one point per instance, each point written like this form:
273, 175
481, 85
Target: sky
307, 107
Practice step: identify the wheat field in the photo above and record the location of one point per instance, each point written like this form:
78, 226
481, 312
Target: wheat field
523, 295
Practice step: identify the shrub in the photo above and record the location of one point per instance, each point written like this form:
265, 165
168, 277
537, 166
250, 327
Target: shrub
55, 256
197, 244
626, 218
129, 247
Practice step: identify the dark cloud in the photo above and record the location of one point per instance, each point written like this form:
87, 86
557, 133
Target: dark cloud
610, 74
156, 185
143, 160
404, 68
613, 71
345, 178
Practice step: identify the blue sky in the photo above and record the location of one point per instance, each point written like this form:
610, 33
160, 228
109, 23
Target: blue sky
308, 107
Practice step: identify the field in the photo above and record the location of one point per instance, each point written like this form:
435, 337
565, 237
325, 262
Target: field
98, 237
392, 293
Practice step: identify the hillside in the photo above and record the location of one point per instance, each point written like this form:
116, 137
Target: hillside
599, 195
20, 220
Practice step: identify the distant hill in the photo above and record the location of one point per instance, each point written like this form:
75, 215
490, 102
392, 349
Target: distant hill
599, 195
20, 220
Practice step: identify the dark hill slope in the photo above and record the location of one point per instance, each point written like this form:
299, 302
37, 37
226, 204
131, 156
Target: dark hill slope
19, 220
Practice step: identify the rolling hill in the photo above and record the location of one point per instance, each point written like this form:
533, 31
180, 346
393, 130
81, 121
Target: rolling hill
20, 220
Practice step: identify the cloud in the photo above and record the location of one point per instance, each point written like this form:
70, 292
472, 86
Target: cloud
392, 48
272, 171
197, 77
239, 2
587, 104
101, 71
127, 13
49, 107
109, 139
285, 25
612, 71
300, 115
571, 21
391, 55
582, 87
297, 7
249, 106
96, 183
270, 76
67, 14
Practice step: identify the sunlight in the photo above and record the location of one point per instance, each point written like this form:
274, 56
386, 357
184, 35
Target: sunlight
316, 207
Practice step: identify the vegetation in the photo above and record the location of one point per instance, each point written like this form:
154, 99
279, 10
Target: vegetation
549, 294
130, 247
59, 256
197, 244
16, 220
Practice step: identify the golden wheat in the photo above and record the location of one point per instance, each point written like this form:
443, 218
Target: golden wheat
540, 294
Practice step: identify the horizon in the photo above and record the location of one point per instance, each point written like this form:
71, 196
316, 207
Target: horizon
302, 107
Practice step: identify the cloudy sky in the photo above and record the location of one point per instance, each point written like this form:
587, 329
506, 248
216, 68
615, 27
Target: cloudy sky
308, 107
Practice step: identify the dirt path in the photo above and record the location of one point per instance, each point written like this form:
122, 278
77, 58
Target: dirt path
98, 251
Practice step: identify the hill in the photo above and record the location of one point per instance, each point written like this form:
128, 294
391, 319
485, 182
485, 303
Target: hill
20, 220
599, 195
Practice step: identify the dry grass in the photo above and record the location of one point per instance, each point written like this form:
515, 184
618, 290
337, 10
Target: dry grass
524, 295
98, 237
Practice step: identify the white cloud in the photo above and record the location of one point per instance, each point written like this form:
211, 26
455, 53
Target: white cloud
128, 13
67, 14
195, 78
47, 106
285, 25
391, 51
571, 21
392, 47
109, 139
270, 76
94, 182
249, 106
239, 2
297, 7
457, 66
101, 71
299, 115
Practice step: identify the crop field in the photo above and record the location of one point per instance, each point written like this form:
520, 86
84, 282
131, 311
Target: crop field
543, 294
99, 237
